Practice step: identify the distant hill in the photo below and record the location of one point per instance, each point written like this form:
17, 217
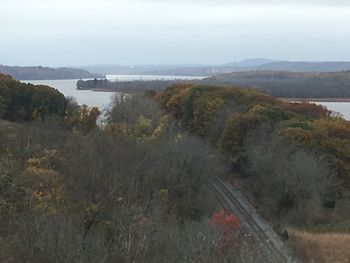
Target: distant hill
209, 70
252, 62
107, 69
289, 84
305, 66
45, 73
180, 69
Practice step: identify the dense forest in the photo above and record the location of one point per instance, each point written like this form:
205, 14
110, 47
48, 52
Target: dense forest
131, 190
134, 186
26, 102
296, 149
46, 73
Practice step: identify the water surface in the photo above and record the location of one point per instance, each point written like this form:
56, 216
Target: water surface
339, 107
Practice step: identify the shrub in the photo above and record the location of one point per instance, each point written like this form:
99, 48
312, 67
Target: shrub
228, 225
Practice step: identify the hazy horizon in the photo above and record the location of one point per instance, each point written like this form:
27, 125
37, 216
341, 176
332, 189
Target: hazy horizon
166, 64
152, 32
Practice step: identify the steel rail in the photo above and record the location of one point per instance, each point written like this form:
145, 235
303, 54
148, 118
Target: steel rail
230, 203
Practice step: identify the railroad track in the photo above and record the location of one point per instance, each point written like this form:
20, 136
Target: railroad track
254, 226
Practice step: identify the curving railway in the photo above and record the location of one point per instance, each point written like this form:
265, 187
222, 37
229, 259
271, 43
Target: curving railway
232, 201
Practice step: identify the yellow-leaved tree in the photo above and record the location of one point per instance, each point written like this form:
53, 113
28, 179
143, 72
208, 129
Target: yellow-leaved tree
44, 181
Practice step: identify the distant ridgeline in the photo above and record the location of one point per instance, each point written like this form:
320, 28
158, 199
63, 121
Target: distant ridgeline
207, 70
26, 102
45, 73
126, 86
289, 84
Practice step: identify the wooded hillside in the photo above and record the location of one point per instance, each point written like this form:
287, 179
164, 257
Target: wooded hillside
26, 102
46, 73
296, 149
289, 84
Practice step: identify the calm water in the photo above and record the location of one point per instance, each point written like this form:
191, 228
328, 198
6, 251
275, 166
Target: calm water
340, 107
99, 99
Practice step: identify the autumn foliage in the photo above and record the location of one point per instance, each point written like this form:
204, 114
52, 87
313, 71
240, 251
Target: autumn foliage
229, 226
307, 109
26, 102
44, 182
242, 111
238, 120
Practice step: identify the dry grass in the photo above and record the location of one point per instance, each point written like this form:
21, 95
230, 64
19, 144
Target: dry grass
322, 247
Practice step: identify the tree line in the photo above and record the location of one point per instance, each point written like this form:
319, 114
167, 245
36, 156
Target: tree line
134, 86
26, 102
40, 73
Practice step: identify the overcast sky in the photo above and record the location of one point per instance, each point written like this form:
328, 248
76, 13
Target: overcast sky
82, 32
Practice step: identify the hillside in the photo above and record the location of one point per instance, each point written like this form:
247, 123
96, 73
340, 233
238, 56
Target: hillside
133, 190
142, 178
297, 149
252, 62
26, 102
302, 66
46, 73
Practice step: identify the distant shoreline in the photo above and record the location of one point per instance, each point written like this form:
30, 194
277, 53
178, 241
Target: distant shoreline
100, 90
316, 99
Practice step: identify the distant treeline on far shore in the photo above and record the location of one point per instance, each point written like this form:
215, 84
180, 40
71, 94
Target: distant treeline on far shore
46, 73
276, 83
126, 86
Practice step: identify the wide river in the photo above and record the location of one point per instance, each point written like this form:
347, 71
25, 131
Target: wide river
340, 107
99, 99
102, 99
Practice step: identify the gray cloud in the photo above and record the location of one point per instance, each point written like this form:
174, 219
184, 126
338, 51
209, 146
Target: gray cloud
261, 2
75, 32
211, 2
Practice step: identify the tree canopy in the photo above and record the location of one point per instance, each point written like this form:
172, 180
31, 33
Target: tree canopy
26, 102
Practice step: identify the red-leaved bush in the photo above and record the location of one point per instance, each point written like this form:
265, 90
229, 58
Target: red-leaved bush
228, 225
